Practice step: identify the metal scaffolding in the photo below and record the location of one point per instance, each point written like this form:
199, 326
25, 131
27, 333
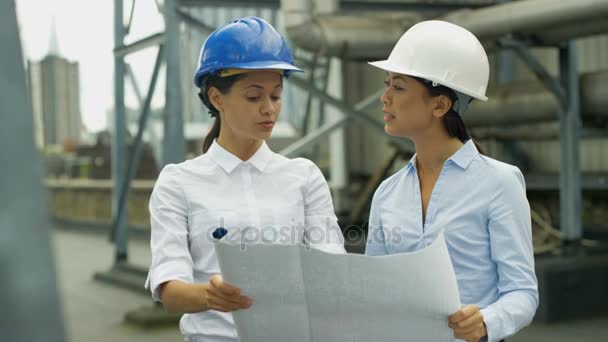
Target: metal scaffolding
177, 12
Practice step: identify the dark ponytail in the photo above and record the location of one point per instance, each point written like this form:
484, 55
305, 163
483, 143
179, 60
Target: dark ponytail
452, 121
223, 84
213, 134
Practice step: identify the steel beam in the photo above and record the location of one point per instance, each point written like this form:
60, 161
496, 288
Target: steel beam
351, 112
120, 237
119, 136
570, 123
174, 145
150, 41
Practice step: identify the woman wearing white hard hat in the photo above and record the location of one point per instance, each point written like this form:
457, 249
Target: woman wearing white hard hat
238, 189
480, 204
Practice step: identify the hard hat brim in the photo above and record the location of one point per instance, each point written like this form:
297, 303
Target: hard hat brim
391, 67
259, 65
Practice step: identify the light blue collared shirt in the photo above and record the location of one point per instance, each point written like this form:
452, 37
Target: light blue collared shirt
481, 205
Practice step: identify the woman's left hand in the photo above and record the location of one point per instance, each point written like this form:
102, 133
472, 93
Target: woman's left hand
468, 324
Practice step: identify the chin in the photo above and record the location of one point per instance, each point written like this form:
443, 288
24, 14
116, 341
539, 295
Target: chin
264, 136
393, 132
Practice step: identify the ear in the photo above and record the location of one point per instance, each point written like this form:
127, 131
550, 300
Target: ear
215, 97
442, 105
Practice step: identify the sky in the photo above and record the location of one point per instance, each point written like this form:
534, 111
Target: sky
86, 35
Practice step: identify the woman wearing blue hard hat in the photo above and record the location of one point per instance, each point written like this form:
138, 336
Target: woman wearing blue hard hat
238, 187
479, 203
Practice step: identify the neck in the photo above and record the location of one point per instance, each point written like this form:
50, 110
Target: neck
244, 148
433, 151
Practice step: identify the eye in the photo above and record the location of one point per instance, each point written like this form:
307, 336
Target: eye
396, 87
275, 98
253, 98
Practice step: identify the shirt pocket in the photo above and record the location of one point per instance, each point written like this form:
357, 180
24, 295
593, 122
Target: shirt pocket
201, 226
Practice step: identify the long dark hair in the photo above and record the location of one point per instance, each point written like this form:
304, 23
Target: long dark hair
452, 121
223, 84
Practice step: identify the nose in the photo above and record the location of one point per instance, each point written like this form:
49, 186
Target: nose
385, 97
269, 107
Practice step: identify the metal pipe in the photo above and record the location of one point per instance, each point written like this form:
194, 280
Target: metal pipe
529, 102
533, 18
374, 35
534, 131
352, 36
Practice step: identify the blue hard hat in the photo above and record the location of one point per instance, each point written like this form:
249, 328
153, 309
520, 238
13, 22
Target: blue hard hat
246, 43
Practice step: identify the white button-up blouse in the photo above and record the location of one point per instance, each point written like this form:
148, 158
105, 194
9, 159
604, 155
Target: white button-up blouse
266, 199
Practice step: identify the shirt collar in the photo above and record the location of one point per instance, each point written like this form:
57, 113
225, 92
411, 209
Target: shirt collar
463, 157
229, 161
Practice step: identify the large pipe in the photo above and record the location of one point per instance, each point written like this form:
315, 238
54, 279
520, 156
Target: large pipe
529, 102
372, 36
535, 18
346, 36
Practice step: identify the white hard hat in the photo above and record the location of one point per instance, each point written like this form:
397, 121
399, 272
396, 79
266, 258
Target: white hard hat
444, 53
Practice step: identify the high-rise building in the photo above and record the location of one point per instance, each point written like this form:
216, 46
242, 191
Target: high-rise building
55, 94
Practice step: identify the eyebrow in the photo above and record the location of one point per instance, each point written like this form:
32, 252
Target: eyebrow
260, 87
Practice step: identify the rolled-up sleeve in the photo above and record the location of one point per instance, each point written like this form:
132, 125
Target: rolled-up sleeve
171, 259
321, 224
511, 249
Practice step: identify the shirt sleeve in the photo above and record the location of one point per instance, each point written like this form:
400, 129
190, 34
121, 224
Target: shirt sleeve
171, 259
321, 224
511, 249
376, 242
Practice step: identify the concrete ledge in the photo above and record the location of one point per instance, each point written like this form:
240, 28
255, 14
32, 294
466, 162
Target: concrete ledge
572, 287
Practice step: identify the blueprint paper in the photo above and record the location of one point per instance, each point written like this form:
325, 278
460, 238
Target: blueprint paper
303, 294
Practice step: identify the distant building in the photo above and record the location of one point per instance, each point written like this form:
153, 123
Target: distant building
55, 94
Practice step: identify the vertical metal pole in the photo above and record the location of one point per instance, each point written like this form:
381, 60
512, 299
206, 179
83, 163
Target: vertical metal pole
506, 67
136, 149
338, 150
174, 146
28, 290
570, 190
119, 141
337, 141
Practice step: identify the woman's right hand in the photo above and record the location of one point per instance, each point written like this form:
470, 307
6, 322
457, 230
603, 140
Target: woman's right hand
221, 296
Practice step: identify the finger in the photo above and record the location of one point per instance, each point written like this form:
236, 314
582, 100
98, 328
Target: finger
471, 337
462, 333
469, 334
218, 282
474, 321
222, 305
235, 299
463, 313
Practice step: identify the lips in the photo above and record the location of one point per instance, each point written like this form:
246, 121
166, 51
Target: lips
388, 117
267, 124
